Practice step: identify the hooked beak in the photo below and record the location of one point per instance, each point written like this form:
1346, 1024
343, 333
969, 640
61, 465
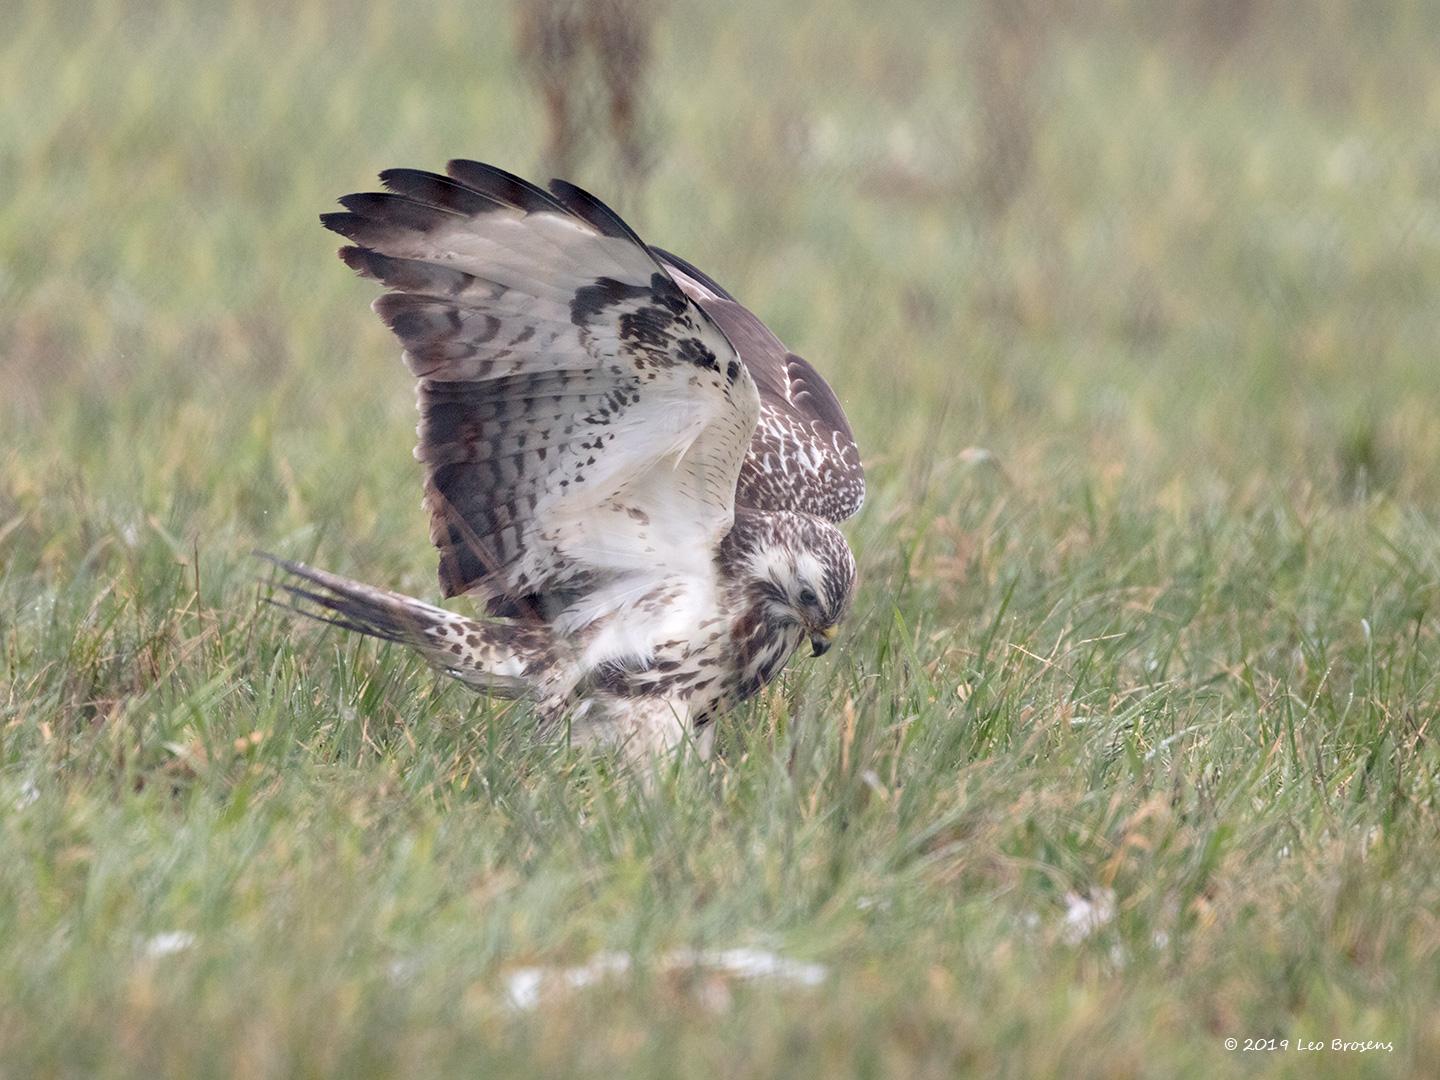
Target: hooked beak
821, 640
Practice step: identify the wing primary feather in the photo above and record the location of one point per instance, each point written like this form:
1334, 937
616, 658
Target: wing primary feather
408, 275
590, 209
690, 270
346, 224
374, 218
388, 207
441, 191
502, 186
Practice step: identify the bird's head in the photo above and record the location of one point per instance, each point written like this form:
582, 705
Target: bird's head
804, 575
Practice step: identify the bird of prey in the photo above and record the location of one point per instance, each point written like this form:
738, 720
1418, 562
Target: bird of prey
630, 472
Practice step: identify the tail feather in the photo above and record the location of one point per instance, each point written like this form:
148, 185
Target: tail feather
500, 658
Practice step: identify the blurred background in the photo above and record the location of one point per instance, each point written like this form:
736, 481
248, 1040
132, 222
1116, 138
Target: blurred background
1191, 248
1133, 307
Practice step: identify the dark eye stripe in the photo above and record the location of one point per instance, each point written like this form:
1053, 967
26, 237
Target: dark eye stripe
773, 592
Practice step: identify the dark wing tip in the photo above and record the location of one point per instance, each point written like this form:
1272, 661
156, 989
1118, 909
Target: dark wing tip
500, 186
591, 210
440, 191
378, 218
391, 209
345, 224
358, 259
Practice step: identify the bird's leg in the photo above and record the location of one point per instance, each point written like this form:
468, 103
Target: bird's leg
646, 731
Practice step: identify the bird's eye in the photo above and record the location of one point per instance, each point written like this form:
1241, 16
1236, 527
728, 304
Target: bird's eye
807, 597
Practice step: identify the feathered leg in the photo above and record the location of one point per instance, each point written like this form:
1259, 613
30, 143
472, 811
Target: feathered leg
500, 658
644, 729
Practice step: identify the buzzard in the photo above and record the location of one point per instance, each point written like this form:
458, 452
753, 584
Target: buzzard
622, 463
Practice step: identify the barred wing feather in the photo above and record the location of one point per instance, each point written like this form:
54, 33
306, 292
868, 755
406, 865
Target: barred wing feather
580, 416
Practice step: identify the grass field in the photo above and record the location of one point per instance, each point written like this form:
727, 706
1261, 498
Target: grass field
1130, 746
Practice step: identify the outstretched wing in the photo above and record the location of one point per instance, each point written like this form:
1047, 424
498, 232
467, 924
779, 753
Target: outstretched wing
579, 415
803, 455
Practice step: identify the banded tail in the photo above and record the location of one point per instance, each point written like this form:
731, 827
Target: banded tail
506, 659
